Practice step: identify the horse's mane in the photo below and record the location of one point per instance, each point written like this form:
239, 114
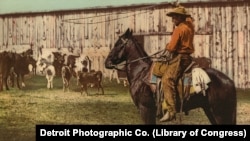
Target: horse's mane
141, 50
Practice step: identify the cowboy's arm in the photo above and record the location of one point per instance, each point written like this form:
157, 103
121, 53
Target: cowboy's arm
172, 45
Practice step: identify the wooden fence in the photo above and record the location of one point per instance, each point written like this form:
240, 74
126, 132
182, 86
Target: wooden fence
222, 32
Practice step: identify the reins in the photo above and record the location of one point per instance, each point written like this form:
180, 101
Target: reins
150, 56
135, 60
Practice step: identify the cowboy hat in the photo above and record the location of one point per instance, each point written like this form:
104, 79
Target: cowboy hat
178, 10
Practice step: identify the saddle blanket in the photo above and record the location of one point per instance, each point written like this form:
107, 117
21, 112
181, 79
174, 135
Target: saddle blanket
198, 80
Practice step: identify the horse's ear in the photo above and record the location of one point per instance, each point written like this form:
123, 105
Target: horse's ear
131, 32
127, 31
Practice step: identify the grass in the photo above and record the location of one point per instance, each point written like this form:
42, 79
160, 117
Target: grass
22, 110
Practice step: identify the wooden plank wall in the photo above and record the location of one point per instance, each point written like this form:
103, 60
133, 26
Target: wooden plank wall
221, 33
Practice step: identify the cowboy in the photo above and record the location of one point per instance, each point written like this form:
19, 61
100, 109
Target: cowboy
181, 47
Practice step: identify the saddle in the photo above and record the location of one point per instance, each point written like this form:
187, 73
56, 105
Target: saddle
193, 81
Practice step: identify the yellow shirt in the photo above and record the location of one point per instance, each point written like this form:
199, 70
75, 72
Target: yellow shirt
182, 39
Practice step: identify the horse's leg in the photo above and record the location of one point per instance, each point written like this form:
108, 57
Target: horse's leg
210, 115
221, 116
147, 106
148, 114
159, 99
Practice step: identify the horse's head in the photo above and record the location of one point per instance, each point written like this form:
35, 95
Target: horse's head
118, 53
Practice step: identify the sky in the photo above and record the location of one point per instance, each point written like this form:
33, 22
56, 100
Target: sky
24, 6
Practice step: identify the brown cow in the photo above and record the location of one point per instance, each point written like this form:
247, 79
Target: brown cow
7, 61
87, 79
66, 76
21, 65
58, 62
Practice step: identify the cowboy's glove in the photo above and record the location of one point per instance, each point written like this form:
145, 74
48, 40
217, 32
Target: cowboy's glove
165, 54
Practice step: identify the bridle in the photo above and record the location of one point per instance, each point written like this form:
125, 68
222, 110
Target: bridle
125, 42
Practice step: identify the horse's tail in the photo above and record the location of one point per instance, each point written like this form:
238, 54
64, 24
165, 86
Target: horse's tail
222, 97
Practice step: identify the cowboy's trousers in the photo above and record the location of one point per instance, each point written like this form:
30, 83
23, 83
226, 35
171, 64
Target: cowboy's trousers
170, 78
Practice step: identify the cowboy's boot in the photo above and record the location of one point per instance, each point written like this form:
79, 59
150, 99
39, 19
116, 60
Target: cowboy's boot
171, 112
169, 116
170, 106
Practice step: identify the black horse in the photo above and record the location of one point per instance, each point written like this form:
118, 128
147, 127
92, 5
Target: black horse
219, 104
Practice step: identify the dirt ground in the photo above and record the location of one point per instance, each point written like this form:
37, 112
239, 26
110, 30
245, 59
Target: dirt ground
22, 110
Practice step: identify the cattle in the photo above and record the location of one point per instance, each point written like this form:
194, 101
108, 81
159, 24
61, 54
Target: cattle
114, 75
58, 62
48, 69
66, 76
71, 60
7, 61
50, 56
118, 76
11, 78
53, 57
68, 70
78, 64
50, 74
46, 54
32, 65
82, 65
21, 65
14, 65
87, 79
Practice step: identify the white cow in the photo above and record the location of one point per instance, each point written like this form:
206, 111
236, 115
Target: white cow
44, 64
49, 71
50, 74
114, 75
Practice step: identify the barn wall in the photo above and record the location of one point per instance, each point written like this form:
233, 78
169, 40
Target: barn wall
221, 32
